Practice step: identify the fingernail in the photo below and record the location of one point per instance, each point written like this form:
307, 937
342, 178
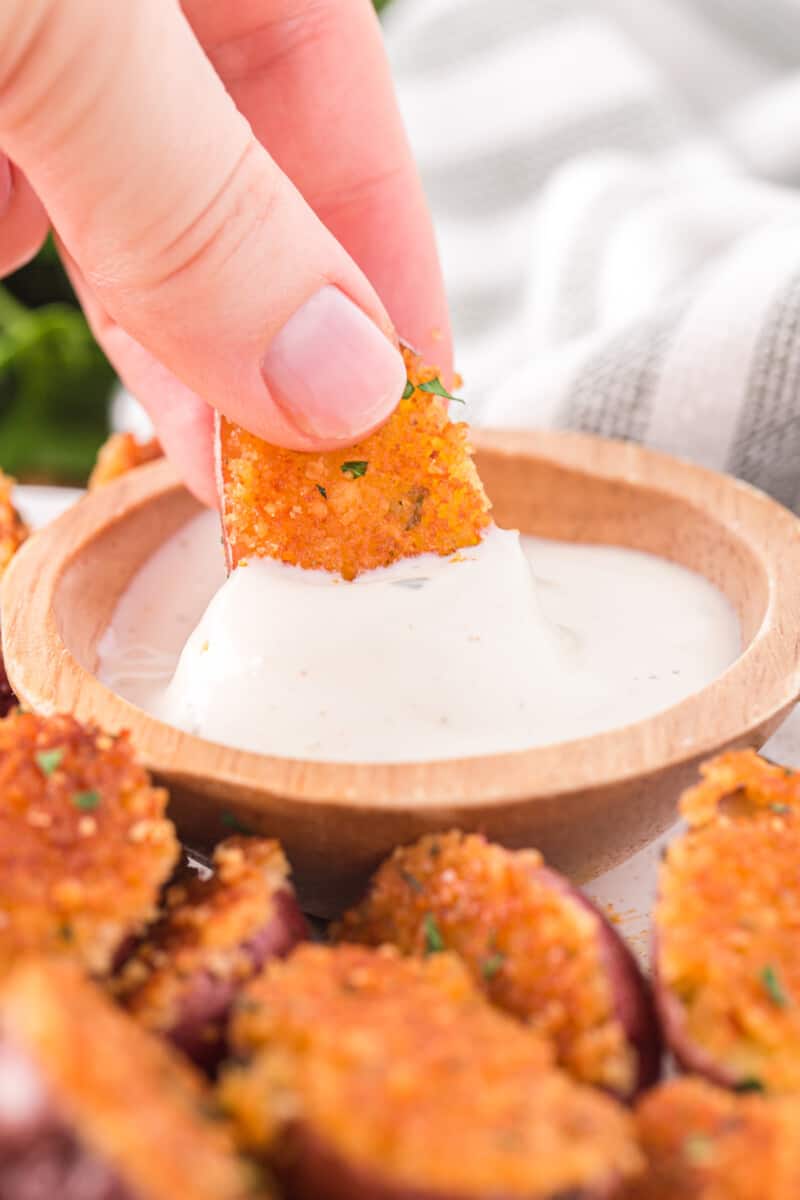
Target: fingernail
5, 183
331, 370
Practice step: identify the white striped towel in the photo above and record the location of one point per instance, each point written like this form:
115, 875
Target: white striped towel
614, 187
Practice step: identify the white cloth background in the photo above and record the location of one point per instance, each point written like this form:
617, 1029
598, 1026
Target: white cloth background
614, 185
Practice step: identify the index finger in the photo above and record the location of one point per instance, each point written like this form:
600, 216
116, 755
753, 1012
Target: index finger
313, 79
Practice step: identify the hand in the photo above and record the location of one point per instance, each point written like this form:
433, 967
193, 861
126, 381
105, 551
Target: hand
209, 269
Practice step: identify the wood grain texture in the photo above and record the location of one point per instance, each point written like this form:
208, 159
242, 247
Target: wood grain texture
586, 804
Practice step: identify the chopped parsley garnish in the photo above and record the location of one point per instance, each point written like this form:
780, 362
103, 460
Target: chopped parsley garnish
354, 469
86, 800
49, 760
434, 942
492, 966
780, 808
435, 388
750, 1084
773, 986
412, 881
698, 1149
232, 822
322, 491
408, 390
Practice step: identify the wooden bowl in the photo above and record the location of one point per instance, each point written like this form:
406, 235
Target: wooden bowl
586, 804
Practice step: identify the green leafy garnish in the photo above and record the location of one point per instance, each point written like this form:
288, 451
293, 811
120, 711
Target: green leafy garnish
354, 469
408, 390
492, 966
773, 986
698, 1149
232, 822
49, 760
780, 808
412, 881
434, 942
435, 387
322, 491
86, 800
749, 1084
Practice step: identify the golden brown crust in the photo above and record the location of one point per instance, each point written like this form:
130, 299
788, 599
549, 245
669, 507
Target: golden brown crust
704, 1143
400, 1067
419, 492
534, 949
120, 453
218, 927
13, 530
727, 918
130, 1099
84, 844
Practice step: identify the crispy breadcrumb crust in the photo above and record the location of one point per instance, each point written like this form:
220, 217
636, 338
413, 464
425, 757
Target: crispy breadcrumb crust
534, 950
728, 920
206, 927
131, 1099
120, 453
413, 489
402, 1069
705, 1143
84, 843
13, 530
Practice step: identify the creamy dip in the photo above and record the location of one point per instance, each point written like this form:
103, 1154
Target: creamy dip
512, 644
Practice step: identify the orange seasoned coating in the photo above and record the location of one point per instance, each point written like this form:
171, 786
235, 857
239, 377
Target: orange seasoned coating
130, 1099
84, 843
532, 948
409, 488
120, 453
704, 1143
401, 1069
206, 926
13, 530
728, 920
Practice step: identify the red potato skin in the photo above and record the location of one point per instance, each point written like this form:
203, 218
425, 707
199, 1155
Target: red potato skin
309, 1169
632, 996
210, 999
691, 1058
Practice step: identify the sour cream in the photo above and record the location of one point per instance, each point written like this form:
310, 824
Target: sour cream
512, 644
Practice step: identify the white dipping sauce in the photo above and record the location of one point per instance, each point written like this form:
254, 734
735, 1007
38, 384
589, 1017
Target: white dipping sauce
512, 644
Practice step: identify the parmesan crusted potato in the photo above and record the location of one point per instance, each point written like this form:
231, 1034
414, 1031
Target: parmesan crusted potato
371, 1075
84, 843
213, 936
727, 972
532, 942
94, 1107
409, 488
120, 453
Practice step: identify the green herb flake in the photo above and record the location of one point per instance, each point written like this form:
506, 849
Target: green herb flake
50, 760
492, 966
434, 387
698, 1149
434, 942
354, 469
412, 881
780, 808
322, 491
773, 986
232, 822
749, 1084
408, 390
86, 800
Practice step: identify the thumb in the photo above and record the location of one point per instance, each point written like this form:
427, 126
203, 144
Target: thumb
184, 228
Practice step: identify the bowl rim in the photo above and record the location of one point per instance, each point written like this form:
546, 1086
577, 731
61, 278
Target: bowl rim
734, 709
